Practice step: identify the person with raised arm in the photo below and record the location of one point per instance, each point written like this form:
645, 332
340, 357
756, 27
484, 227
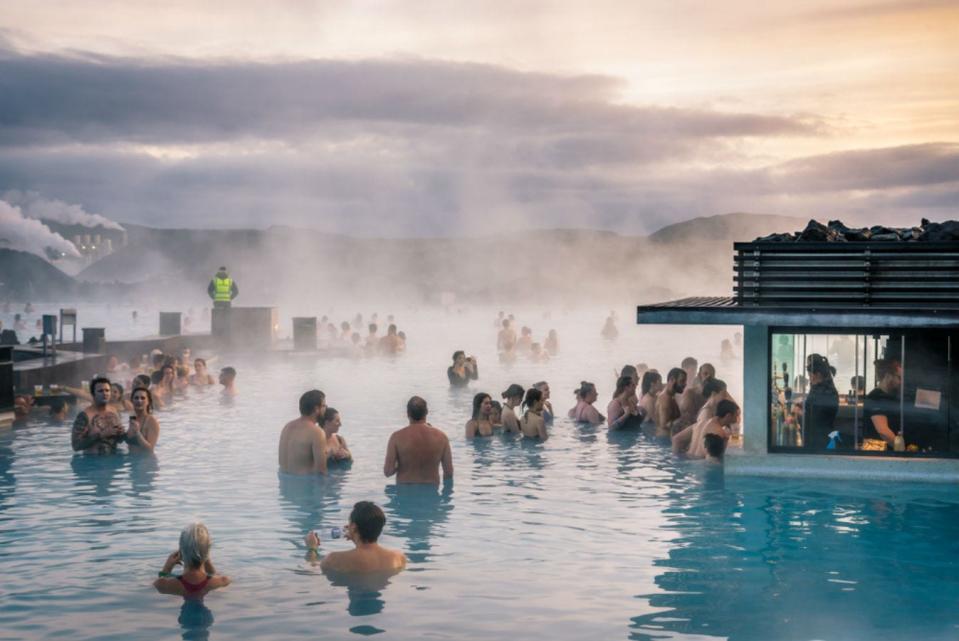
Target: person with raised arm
364, 528
199, 577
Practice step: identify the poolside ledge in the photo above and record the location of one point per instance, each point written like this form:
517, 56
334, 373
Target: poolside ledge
849, 468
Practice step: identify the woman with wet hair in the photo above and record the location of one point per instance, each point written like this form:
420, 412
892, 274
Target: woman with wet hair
584, 412
513, 397
117, 402
623, 410
336, 448
480, 423
532, 424
199, 577
144, 430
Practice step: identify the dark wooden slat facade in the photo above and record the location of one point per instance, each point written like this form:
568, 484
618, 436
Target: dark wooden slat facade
899, 275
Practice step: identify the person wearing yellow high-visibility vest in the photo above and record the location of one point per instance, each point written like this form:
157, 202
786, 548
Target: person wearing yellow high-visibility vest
222, 289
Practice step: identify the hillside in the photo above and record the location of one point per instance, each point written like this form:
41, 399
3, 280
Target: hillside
545, 267
24, 276
728, 228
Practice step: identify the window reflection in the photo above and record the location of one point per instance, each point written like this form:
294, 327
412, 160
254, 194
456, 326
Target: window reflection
878, 393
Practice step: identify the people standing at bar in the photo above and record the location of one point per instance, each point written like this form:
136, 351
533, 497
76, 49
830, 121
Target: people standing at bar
881, 419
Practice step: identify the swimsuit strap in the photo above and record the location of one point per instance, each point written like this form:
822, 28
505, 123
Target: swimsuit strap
193, 587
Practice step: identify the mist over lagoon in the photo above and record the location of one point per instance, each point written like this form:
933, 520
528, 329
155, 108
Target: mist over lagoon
425, 320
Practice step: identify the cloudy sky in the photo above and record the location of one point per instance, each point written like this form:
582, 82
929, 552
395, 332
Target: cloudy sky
436, 117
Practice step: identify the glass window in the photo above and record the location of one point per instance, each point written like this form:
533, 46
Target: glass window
863, 392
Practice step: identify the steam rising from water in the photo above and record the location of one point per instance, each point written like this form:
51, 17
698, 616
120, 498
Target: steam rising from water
29, 235
36, 206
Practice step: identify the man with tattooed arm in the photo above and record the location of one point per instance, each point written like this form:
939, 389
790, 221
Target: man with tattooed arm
98, 429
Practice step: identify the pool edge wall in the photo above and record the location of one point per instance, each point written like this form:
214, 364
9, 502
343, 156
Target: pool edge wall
838, 467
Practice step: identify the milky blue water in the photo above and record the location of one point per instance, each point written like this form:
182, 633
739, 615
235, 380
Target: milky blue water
589, 536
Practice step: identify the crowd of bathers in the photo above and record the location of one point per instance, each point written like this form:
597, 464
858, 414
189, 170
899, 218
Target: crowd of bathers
691, 409
346, 339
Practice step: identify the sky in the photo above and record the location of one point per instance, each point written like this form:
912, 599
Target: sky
435, 118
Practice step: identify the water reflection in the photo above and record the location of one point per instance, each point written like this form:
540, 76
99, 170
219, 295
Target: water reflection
308, 498
751, 563
414, 511
365, 591
8, 480
96, 471
143, 472
195, 620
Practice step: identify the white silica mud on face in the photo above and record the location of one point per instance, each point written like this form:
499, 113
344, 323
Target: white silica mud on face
589, 535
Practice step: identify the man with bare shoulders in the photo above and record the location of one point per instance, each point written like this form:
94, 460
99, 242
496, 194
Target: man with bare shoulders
668, 416
692, 399
303, 442
97, 429
391, 343
366, 523
416, 452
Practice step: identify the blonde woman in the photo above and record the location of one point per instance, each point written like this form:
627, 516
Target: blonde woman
199, 577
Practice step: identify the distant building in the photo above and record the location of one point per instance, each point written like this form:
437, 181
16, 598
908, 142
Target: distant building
808, 308
93, 243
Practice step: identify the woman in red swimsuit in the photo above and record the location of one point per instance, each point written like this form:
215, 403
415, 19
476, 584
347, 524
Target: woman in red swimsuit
199, 576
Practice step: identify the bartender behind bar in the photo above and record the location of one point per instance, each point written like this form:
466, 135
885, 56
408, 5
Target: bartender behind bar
881, 409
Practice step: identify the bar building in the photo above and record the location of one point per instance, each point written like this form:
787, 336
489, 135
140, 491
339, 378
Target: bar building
877, 318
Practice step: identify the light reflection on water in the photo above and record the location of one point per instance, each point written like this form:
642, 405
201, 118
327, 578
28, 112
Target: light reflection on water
590, 535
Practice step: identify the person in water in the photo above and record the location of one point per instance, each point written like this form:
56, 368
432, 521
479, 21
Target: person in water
623, 410
651, 386
584, 412
496, 414
548, 413
715, 447
463, 370
364, 528
117, 401
416, 452
336, 448
199, 577
667, 414
201, 375
537, 355
513, 397
59, 408
552, 343
609, 329
303, 442
532, 424
391, 343
689, 440
228, 381
480, 423
144, 430
97, 429
692, 399
506, 339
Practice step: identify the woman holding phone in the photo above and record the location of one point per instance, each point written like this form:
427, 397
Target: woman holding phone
144, 430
